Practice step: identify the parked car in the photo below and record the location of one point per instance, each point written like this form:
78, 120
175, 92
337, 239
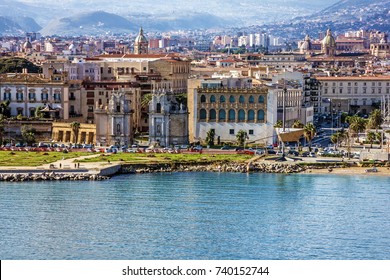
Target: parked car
293, 152
225, 148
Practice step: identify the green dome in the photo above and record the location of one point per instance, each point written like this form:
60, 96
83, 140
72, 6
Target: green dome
329, 40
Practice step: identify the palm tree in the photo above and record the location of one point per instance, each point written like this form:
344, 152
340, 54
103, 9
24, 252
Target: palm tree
210, 137
339, 137
278, 124
146, 98
356, 124
241, 136
75, 128
371, 137
309, 131
375, 119
298, 124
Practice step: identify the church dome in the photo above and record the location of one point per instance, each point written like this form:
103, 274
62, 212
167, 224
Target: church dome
141, 37
329, 40
306, 45
27, 44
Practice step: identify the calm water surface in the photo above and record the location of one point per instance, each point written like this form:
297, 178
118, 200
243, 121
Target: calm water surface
198, 216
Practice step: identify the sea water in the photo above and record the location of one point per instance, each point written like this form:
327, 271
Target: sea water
198, 216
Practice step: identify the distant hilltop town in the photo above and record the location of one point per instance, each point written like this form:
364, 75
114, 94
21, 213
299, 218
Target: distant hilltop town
174, 90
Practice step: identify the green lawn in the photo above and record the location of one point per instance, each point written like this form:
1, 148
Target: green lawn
19, 158
162, 158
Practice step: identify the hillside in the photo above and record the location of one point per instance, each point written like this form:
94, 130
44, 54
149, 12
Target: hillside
88, 23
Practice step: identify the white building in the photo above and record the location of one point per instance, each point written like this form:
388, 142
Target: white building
214, 105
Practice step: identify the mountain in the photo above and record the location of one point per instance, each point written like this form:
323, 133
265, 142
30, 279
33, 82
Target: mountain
92, 23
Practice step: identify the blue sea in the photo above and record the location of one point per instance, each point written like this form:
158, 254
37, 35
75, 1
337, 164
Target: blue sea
198, 216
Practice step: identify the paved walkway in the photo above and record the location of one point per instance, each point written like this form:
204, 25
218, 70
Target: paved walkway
63, 165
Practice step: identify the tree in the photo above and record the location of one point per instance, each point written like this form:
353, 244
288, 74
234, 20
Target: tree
38, 112
298, 124
356, 124
375, 119
241, 136
75, 128
1, 130
371, 137
309, 131
338, 137
5, 111
146, 98
278, 124
28, 134
210, 137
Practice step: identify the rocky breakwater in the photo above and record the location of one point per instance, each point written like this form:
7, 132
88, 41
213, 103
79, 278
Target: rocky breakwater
215, 167
51, 176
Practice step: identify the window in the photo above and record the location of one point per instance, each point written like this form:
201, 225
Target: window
356, 90
90, 109
232, 99
364, 90
109, 70
261, 99
118, 128
213, 114
231, 131
7, 96
202, 99
44, 96
202, 114
31, 95
19, 96
341, 91
222, 115
19, 111
232, 115
250, 132
158, 108
251, 115
241, 99
222, 99
241, 115
212, 99
251, 99
260, 115
326, 91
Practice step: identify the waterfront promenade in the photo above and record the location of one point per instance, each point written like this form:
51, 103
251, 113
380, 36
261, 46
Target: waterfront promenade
104, 168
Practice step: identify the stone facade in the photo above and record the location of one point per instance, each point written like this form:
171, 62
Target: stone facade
228, 110
64, 133
168, 123
114, 122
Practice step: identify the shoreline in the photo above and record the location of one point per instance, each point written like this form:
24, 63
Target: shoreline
89, 172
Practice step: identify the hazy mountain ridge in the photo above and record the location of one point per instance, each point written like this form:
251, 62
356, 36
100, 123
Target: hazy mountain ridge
165, 15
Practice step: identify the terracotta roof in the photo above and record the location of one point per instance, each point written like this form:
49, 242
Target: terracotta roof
355, 78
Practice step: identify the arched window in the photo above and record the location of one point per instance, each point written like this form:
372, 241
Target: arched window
232, 99
202, 99
251, 99
222, 115
232, 115
202, 114
222, 99
260, 115
251, 115
212, 99
118, 128
241, 115
213, 114
241, 99
261, 99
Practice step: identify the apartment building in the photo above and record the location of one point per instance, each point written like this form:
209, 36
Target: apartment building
354, 94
